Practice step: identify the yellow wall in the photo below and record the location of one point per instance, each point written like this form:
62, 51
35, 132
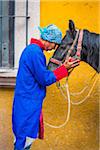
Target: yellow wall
84, 13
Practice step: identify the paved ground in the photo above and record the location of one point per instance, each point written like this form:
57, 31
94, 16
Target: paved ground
81, 131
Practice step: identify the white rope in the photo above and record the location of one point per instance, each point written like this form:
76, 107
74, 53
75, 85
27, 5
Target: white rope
68, 114
69, 102
80, 102
73, 94
78, 93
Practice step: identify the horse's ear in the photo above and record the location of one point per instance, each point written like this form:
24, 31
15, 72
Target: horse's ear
71, 26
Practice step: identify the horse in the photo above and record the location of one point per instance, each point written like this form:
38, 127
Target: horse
83, 45
76, 43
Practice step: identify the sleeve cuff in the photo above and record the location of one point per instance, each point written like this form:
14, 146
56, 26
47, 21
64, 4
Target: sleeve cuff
60, 72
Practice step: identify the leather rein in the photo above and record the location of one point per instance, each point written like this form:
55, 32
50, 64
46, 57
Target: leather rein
78, 52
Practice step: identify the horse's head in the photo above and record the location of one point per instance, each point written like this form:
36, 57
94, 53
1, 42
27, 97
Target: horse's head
62, 50
75, 44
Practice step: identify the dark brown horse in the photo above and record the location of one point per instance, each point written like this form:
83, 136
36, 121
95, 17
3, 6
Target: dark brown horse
89, 48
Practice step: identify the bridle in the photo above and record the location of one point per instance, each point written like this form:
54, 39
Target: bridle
78, 52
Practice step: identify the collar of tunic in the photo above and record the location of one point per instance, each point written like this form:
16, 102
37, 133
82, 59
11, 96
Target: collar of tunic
38, 42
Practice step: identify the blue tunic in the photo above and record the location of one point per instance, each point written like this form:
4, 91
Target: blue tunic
32, 79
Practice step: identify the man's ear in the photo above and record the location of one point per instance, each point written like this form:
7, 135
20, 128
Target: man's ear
71, 26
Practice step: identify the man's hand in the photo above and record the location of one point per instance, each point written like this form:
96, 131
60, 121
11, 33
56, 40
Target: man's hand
71, 64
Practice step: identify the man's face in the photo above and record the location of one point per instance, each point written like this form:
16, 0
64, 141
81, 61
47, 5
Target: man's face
49, 46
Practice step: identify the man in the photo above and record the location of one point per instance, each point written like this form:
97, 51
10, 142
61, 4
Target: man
32, 79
